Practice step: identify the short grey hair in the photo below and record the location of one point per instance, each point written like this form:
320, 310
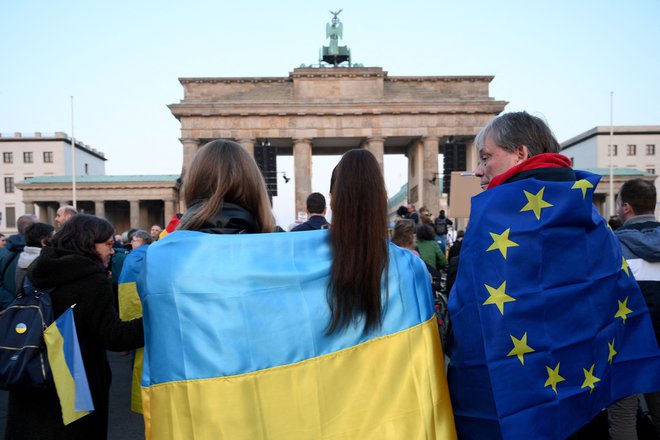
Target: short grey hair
143, 235
511, 130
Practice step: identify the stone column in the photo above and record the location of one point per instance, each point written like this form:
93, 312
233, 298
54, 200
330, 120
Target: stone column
51, 210
302, 170
471, 156
29, 207
190, 147
99, 208
134, 213
376, 145
430, 192
248, 144
170, 210
415, 170
43, 212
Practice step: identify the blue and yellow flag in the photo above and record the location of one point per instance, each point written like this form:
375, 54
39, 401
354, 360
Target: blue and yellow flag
68, 368
130, 308
549, 325
236, 345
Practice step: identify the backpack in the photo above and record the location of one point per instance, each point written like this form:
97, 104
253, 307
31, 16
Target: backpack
23, 357
441, 226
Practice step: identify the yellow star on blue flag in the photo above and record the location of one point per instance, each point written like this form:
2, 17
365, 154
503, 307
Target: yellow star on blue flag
612, 351
498, 296
553, 377
624, 266
582, 184
590, 379
501, 242
520, 348
623, 310
535, 203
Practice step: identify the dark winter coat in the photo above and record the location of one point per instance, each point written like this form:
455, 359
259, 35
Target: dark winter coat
82, 281
315, 222
8, 263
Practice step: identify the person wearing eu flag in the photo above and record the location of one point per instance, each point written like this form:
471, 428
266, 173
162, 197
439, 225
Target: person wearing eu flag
252, 335
549, 324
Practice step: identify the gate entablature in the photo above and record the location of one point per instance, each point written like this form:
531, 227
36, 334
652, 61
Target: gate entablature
330, 110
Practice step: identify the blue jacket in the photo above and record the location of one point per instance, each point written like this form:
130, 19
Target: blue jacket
640, 240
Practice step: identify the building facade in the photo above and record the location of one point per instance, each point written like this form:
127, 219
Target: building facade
26, 156
633, 154
125, 201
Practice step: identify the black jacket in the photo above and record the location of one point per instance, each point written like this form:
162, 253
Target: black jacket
79, 280
315, 222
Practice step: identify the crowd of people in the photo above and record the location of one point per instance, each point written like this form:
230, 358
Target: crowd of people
331, 333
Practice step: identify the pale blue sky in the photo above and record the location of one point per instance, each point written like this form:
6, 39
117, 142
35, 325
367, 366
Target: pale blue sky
121, 60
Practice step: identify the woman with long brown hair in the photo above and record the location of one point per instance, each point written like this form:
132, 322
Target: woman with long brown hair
359, 240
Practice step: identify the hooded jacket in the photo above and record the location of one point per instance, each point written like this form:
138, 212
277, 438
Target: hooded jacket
83, 281
640, 240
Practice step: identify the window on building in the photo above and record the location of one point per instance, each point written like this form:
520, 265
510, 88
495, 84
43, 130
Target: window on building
11, 216
9, 184
650, 149
86, 169
27, 157
650, 170
48, 157
8, 157
572, 162
632, 150
612, 149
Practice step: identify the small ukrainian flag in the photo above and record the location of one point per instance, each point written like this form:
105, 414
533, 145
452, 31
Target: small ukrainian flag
68, 368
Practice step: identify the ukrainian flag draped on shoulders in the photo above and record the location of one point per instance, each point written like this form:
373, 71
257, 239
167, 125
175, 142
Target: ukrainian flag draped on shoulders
550, 327
131, 308
236, 345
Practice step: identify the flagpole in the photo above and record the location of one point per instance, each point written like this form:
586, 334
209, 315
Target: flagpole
73, 161
611, 154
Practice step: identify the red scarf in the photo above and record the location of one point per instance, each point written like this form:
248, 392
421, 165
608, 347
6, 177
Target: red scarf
544, 160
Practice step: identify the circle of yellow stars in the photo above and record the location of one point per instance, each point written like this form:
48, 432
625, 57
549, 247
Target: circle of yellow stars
499, 297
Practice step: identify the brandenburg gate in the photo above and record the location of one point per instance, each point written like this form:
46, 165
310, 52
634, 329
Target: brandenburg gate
329, 110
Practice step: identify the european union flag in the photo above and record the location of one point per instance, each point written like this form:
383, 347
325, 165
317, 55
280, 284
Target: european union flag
550, 327
68, 369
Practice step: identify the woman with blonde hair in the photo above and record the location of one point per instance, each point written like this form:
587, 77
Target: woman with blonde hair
225, 192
